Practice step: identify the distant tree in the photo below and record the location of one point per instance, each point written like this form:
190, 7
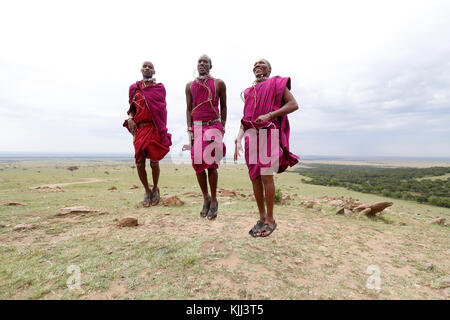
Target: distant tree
72, 169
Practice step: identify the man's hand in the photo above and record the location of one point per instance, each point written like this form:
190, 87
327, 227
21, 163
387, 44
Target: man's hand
264, 118
187, 147
133, 126
223, 127
237, 150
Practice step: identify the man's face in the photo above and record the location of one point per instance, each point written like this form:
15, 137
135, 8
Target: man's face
148, 70
261, 69
203, 65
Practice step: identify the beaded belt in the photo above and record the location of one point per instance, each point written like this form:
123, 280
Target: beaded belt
144, 124
200, 123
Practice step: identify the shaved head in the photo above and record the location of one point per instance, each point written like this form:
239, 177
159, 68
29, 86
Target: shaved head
205, 56
148, 70
204, 65
267, 62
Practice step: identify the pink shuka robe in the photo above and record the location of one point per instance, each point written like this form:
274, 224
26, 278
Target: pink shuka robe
153, 140
269, 94
205, 108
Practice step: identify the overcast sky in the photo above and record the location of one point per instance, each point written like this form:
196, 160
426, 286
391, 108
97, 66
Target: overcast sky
372, 78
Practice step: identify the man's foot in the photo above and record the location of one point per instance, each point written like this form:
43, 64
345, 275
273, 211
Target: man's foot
147, 200
156, 197
205, 208
212, 213
267, 229
256, 229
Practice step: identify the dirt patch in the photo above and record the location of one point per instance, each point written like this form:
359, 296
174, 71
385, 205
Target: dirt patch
116, 290
214, 246
56, 185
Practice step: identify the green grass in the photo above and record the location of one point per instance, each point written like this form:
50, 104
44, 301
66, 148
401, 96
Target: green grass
174, 254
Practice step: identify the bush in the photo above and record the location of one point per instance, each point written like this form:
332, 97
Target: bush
278, 195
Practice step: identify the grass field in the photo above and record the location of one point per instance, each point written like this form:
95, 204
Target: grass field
175, 254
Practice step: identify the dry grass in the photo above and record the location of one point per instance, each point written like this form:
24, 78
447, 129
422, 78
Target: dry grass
174, 254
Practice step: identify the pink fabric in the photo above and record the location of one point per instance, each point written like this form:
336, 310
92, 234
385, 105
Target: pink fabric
205, 111
202, 108
155, 96
203, 141
269, 94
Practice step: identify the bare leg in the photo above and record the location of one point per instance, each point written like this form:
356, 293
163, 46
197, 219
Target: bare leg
213, 176
140, 165
258, 191
201, 178
155, 174
269, 193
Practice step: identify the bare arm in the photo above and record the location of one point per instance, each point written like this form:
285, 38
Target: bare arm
188, 105
131, 113
223, 101
237, 142
290, 105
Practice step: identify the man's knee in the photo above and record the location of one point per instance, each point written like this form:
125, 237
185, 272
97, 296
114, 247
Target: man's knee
267, 179
140, 164
154, 164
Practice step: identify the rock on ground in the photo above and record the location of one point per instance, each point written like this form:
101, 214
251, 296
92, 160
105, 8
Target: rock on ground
12, 203
438, 220
24, 226
171, 201
374, 208
74, 210
128, 222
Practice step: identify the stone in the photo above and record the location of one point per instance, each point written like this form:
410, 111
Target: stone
128, 222
21, 227
112, 188
12, 203
374, 208
74, 210
162, 250
428, 266
48, 188
171, 201
134, 186
336, 203
438, 220
309, 204
348, 213
227, 193
340, 210
444, 282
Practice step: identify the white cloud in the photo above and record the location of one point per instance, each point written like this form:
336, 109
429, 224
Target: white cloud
355, 66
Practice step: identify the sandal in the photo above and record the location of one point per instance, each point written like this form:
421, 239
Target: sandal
266, 227
256, 229
205, 209
147, 201
156, 197
212, 213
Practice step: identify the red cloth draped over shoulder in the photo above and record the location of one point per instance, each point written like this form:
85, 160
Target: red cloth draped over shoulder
205, 108
262, 98
151, 139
